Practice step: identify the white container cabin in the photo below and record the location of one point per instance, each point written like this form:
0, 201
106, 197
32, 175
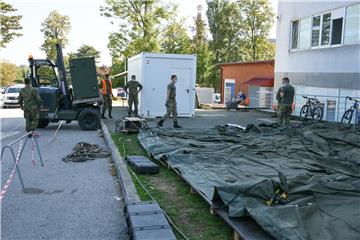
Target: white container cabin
153, 71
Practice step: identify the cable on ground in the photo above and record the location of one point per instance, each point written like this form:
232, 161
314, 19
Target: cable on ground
152, 198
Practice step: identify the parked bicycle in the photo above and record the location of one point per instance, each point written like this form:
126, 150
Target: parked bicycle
348, 114
312, 108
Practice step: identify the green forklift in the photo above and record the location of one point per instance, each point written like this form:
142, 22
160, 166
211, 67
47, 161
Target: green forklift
74, 100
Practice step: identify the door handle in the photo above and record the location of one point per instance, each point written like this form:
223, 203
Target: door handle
188, 90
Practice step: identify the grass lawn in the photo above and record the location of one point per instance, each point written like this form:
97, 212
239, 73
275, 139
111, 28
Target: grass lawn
188, 211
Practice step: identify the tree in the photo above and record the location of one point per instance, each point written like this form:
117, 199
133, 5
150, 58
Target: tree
257, 17
176, 39
201, 48
86, 51
55, 28
9, 73
140, 24
118, 66
10, 24
225, 28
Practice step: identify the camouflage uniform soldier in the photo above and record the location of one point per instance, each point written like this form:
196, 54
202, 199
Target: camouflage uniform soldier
29, 101
106, 92
134, 88
170, 103
285, 97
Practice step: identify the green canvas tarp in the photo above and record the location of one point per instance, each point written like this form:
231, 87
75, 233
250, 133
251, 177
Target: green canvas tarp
296, 183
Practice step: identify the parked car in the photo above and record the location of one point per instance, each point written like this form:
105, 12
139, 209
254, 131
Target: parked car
11, 96
121, 92
217, 98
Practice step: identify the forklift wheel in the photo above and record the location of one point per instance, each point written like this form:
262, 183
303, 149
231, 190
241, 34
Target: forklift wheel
43, 123
89, 119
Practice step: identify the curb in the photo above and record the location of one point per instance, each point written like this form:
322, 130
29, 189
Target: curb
127, 185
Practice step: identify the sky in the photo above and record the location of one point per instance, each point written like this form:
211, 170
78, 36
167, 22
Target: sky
87, 26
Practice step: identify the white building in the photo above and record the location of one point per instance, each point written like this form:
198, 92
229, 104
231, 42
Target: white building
318, 48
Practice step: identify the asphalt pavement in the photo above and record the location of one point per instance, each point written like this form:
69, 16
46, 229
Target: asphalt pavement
63, 200
203, 118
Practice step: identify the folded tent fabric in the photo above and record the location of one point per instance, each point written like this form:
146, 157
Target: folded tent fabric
321, 164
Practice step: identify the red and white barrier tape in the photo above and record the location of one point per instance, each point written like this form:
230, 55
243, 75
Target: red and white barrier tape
8, 182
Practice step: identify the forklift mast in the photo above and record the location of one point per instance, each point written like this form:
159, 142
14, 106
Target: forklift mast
62, 75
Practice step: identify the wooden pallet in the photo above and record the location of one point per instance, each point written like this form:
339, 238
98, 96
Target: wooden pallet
244, 227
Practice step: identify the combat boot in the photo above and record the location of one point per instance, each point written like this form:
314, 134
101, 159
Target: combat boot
160, 123
103, 116
176, 125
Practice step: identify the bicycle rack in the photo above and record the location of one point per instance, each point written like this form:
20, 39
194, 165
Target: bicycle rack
9, 147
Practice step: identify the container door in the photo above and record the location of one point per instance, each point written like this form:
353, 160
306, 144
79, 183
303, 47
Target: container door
154, 92
83, 78
184, 90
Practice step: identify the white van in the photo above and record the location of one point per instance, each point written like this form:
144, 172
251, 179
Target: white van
11, 96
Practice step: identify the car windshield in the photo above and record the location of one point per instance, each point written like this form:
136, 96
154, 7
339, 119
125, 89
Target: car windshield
13, 90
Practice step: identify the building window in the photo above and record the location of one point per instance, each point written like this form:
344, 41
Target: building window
315, 34
336, 33
352, 25
325, 29
295, 34
305, 28
300, 37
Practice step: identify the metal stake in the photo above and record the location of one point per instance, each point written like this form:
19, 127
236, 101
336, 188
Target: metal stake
17, 168
38, 150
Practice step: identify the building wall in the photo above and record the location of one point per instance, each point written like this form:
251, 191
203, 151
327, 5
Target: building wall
243, 72
335, 67
328, 73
